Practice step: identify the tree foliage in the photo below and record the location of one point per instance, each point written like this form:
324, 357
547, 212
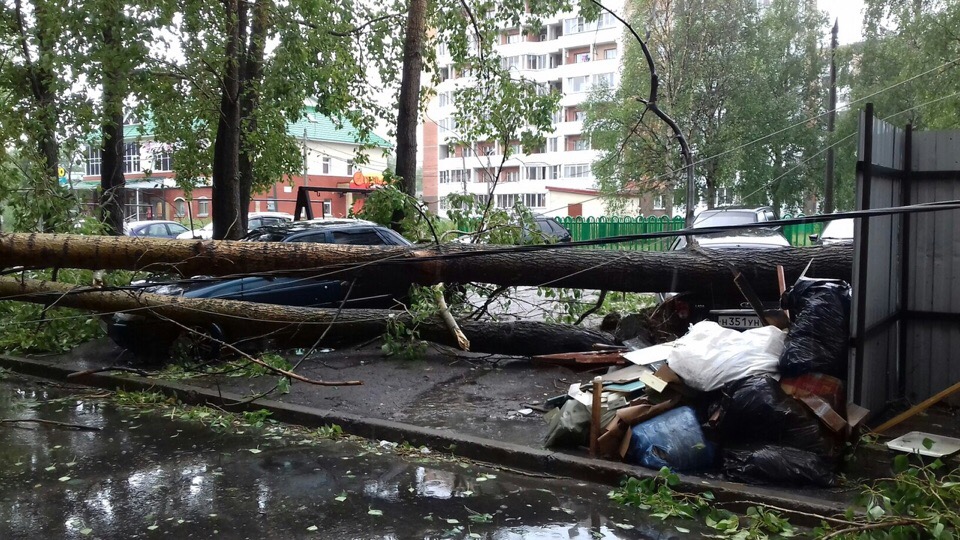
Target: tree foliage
729, 73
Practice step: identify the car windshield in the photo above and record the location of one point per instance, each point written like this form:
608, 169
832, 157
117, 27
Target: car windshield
840, 228
720, 218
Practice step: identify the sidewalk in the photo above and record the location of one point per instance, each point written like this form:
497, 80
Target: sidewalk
448, 402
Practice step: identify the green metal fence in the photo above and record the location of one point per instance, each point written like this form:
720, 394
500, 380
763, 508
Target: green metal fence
799, 235
592, 228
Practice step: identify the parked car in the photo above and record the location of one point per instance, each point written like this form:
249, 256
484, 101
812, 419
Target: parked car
546, 230
154, 229
149, 337
700, 306
255, 220
838, 231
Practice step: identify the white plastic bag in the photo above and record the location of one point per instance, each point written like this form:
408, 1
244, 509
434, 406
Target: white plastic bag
709, 355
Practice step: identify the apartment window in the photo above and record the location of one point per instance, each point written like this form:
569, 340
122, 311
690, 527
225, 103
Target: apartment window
442, 49
445, 98
535, 200
581, 170
574, 26
271, 205
510, 62
513, 176
581, 144
552, 144
607, 20
581, 58
467, 151
577, 84
163, 161
327, 208
506, 200
537, 62
603, 79
350, 167
610, 54
443, 177
553, 172
659, 202
513, 38
481, 200
203, 207
536, 173
325, 165
180, 207
131, 158
459, 176
444, 73
516, 148
94, 160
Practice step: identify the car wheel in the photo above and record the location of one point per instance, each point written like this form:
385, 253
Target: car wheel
197, 344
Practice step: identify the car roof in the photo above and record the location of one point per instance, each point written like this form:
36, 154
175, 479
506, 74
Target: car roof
135, 224
290, 227
270, 214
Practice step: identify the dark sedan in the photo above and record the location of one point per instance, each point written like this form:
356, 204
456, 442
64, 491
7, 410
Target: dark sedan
150, 337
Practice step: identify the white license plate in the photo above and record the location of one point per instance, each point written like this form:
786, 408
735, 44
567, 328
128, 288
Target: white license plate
739, 321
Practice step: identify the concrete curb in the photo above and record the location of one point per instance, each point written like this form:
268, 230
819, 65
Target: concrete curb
524, 458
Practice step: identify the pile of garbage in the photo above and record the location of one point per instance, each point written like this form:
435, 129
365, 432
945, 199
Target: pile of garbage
765, 405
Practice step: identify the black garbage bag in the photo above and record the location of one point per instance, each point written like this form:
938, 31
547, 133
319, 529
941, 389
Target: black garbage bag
757, 410
820, 334
771, 464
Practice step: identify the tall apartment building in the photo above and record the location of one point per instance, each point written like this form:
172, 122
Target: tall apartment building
569, 55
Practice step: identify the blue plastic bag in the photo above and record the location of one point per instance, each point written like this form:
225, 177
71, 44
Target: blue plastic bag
673, 439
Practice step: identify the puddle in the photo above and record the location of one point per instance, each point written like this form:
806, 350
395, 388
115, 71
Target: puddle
147, 476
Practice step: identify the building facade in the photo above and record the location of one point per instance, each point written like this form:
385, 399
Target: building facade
329, 154
570, 56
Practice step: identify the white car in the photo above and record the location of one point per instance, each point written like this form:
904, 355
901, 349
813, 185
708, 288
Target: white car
255, 220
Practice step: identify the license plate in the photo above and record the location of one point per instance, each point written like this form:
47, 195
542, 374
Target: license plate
739, 321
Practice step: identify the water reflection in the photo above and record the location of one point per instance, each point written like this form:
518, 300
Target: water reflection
151, 476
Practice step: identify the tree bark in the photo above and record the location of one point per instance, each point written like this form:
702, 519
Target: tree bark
112, 180
227, 221
703, 270
250, 100
409, 101
301, 326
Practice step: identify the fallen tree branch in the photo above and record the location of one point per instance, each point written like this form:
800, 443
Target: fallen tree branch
591, 311
265, 365
298, 326
139, 372
80, 427
451, 323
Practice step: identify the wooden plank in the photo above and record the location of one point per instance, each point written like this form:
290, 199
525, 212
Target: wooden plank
919, 408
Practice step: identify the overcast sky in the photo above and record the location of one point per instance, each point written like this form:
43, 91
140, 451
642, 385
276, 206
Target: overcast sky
850, 15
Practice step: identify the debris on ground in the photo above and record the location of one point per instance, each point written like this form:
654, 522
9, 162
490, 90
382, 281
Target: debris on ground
764, 405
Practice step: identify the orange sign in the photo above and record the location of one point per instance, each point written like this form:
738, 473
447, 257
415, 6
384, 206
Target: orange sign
364, 181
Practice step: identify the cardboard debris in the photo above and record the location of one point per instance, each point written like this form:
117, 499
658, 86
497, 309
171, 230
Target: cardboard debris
583, 360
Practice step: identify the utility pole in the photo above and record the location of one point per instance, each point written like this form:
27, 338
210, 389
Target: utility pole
828, 182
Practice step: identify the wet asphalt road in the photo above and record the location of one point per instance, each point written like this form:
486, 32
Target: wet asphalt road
143, 475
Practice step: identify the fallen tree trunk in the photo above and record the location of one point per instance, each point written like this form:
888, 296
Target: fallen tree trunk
297, 327
632, 271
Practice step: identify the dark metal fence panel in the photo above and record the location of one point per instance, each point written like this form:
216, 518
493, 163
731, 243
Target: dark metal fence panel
906, 318
932, 330
876, 282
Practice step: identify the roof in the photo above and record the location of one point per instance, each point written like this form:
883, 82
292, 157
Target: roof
573, 190
319, 127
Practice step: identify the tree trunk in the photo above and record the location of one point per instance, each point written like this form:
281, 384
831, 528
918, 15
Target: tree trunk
112, 191
409, 104
249, 101
227, 221
633, 271
301, 326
